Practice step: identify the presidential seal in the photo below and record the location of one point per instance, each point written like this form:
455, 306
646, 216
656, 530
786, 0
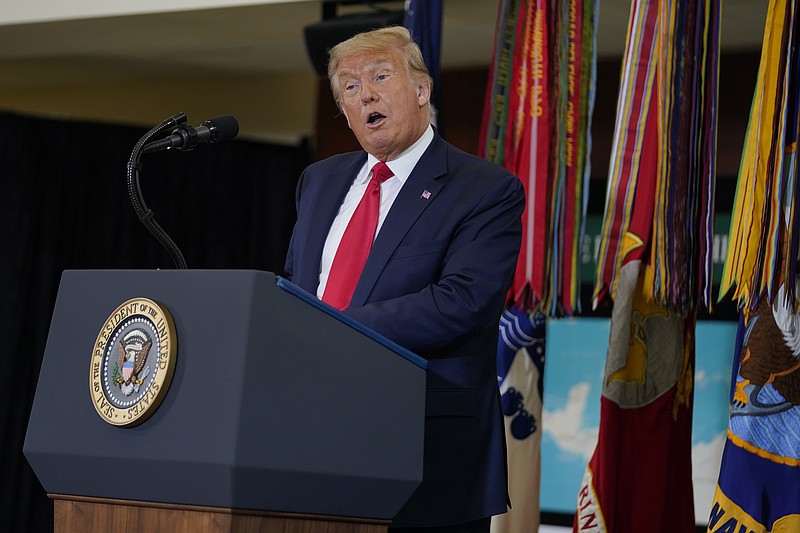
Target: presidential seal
132, 362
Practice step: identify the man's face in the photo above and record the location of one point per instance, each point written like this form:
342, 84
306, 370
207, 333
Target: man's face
386, 109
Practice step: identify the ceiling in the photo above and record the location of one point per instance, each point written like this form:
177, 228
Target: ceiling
267, 39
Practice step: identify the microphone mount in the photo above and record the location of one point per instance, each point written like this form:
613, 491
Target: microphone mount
145, 215
184, 137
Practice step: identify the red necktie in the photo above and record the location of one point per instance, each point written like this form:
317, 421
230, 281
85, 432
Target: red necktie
356, 242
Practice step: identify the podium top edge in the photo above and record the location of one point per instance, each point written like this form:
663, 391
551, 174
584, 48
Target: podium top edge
291, 288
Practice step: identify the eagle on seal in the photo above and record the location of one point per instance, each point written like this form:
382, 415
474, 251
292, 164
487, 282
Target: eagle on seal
133, 350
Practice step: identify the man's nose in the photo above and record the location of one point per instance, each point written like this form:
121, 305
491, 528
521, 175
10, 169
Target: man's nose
368, 92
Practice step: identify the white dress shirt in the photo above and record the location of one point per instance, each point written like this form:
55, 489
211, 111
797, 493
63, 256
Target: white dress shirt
401, 167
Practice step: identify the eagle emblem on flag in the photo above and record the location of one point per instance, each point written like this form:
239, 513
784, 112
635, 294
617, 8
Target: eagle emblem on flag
771, 357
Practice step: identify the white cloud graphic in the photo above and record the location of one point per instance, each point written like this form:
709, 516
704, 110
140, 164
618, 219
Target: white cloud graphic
565, 425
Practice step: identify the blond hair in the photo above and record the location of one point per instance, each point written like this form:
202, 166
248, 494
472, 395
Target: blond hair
376, 41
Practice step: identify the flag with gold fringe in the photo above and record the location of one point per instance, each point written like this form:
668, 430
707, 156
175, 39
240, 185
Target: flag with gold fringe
654, 264
758, 488
537, 114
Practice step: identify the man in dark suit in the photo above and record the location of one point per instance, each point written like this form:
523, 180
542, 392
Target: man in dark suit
436, 277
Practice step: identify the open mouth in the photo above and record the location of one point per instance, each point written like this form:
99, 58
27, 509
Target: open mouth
374, 118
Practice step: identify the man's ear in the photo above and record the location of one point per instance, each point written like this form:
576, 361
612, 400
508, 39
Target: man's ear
423, 93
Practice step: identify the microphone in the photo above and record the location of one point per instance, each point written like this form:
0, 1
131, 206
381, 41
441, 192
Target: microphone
186, 137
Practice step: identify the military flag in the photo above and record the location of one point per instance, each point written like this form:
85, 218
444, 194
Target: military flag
520, 375
655, 266
536, 122
758, 489
537, 116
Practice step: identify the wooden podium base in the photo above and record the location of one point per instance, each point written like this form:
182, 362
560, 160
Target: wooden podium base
75, 514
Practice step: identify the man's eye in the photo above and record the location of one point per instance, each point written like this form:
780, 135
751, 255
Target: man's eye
381, 77
350, 86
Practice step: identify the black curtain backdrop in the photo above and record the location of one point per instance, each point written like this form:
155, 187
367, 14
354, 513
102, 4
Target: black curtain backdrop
66, 206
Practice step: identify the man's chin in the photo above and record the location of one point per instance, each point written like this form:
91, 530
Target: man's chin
377, 145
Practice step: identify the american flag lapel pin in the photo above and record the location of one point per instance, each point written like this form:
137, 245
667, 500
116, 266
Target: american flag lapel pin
426, 194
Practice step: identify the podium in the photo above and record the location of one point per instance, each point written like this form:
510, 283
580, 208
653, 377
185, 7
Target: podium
281, 414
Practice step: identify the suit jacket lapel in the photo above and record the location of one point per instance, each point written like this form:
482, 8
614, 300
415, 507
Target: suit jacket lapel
332, 188
417, 194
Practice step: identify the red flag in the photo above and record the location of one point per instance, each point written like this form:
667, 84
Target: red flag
640, 476
655, 236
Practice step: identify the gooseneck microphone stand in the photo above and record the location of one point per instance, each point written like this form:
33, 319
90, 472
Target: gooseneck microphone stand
135, 192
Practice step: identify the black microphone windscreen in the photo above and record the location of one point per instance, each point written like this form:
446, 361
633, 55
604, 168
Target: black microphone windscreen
227, 127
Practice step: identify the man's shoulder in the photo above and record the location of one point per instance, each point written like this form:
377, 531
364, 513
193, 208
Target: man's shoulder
458, 158
461, 162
